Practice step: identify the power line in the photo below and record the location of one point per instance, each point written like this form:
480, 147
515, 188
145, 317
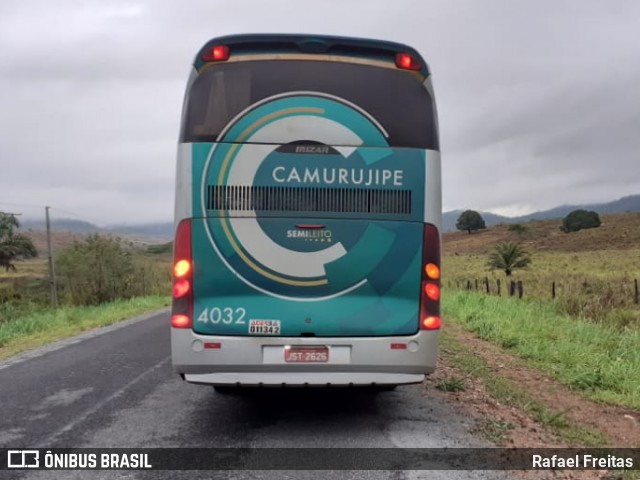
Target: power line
76, 215
13, 204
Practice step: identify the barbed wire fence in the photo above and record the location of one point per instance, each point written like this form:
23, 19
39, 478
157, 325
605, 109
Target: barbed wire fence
516, 288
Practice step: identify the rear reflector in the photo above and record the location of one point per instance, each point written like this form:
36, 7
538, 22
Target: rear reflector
398, 346
310, 227
212, 345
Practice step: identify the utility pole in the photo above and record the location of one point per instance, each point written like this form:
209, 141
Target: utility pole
52, 275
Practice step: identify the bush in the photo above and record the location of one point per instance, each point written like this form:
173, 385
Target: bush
95, 271
594, 300
160, 249
518, 228
580, 219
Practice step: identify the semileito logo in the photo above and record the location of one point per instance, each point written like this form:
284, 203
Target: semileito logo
325, 236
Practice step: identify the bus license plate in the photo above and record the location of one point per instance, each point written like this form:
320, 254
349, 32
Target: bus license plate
306, 354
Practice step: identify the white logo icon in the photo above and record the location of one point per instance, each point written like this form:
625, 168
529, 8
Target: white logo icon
23, 459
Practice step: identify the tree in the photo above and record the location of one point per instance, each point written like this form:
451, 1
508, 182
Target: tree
470, 220
13, 245
580, 219
508, 256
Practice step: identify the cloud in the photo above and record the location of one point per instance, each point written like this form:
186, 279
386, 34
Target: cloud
537, 103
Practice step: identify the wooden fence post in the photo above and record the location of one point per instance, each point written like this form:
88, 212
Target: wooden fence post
553, 290
476, 284
520, 289
498, 282
637, 299
469, 285
486, 284
512, 288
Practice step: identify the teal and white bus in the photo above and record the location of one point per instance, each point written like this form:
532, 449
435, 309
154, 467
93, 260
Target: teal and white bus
308, 213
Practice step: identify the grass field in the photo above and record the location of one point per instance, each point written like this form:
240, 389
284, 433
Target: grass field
588, 336
602, 362
42, 326
594, 271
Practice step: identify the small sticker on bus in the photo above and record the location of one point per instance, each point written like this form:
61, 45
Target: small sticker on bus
264, 327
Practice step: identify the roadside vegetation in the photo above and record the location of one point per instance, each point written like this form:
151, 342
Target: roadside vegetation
588, 274
602, 362
578, 320
100, 279
507, 392
44, 325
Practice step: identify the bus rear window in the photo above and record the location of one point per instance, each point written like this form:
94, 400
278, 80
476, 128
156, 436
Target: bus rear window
395, 98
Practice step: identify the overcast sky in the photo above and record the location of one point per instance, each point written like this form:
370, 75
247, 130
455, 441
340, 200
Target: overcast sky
539, 101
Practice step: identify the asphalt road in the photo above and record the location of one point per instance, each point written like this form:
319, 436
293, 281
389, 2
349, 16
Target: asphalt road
114, 388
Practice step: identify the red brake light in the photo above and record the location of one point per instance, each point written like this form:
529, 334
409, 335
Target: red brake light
432, 291
431, 323
180, 321
219, 53
181, 288
407, 61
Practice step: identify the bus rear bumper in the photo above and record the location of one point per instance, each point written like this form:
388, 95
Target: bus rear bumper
255, 361
303, 379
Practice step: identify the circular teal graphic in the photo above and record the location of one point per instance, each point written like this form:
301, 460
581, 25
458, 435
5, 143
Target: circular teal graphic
287, 253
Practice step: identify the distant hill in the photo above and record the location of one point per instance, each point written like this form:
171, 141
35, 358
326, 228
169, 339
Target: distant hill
622, 205
619, 231
60, 224
161, 229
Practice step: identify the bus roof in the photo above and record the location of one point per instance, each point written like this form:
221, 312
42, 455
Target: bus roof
311, 44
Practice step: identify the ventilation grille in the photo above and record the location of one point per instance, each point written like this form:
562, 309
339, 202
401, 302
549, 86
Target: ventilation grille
294, 199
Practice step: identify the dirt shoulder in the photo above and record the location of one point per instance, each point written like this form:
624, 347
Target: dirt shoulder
510, 426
